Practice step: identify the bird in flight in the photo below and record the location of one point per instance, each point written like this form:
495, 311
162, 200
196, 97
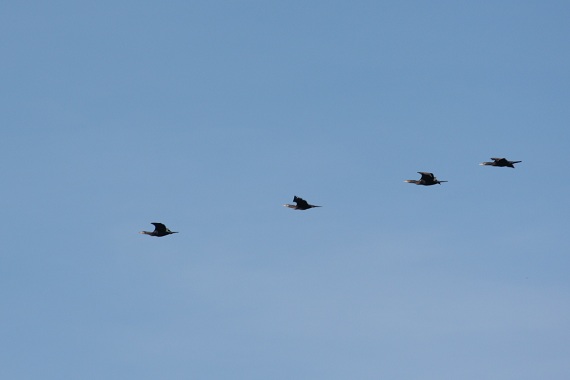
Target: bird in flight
300, 204
427, 179
500, 162
159, 230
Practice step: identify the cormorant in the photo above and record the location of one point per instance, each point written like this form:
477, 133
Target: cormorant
427, 179
159, 230
301, 204
500, 162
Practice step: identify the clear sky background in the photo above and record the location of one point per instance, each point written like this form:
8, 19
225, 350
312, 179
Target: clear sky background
209, 115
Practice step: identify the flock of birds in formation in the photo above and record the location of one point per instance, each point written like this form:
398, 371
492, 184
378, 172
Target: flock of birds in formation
427, 179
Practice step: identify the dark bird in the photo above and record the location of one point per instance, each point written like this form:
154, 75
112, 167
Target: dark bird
300, 204
427, 179
500, 162
159, 230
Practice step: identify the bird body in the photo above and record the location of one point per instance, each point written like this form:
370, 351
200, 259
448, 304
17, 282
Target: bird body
427, 179
500, 162
159, 230
300, 204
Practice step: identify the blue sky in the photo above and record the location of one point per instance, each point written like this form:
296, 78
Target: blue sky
209, 115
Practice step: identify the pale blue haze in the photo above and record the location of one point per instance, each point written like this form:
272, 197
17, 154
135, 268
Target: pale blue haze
209, 115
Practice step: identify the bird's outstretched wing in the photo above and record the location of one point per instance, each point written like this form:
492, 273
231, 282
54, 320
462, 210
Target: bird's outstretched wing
159, 227
300, 202
427, 176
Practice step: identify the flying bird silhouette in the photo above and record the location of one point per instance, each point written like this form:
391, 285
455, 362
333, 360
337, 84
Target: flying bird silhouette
159, 230
300, 204
500, 162
427, 179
